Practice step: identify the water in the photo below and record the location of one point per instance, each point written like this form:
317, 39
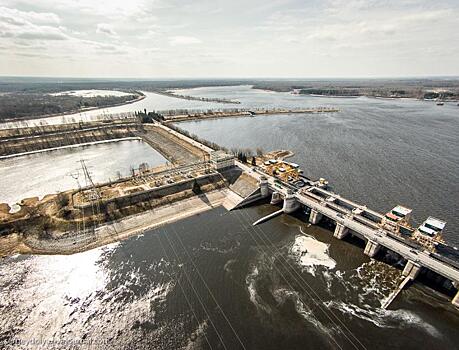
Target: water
215, 279
166, 289
378, 152
151, 102
245, 94
50, 172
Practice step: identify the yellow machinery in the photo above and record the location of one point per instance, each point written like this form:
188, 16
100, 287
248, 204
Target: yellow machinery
283, 170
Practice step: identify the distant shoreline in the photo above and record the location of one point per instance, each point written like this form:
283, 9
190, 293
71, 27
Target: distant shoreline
140, 97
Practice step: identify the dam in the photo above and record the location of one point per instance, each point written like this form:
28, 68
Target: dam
350, 217
199, 171
355, 222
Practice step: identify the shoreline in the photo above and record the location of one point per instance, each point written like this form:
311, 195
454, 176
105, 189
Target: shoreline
170, 93
398, 98
191, 117
129, 138
119, 230
88, 109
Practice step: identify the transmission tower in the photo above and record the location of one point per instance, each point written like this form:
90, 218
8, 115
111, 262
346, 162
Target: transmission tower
75, 175
94, 194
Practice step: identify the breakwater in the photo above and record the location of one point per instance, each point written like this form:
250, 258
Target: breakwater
179, 115
195, 98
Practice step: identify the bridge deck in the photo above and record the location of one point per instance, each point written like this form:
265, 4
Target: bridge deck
366, 228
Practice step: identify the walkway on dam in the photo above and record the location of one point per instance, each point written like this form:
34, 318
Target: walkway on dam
358, 224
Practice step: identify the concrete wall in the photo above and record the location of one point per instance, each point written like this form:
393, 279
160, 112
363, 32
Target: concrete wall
154, 193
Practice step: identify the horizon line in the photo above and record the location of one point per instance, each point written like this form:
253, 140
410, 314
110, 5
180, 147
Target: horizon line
178, 78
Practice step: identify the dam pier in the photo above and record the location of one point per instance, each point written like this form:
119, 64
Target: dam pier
351, 218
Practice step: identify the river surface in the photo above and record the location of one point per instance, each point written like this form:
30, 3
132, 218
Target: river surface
378, 152
213, 281
38, 174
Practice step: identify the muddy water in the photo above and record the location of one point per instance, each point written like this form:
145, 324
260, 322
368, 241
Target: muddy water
213, 282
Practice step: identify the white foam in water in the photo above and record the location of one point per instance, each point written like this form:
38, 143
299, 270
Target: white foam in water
250, 280
385, 318
282, 294
311, 253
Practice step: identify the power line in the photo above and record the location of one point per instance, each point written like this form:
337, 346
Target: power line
210, 292
183, 292
197, 294
241, 221
301, 278
283, 277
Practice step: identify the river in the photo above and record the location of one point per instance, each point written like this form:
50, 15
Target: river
378, 152
213, 281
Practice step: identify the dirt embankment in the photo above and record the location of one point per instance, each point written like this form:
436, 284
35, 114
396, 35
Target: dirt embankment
41, 138
54, 221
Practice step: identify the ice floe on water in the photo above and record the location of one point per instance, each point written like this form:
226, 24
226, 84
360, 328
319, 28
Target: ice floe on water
311, 253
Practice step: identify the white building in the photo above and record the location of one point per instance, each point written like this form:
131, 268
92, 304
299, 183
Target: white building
221, 160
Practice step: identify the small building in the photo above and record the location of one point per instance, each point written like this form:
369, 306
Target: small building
221, 160
396, 218
429, 233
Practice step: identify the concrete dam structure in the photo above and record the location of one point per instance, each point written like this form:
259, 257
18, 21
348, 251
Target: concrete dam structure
234, 184
352, 218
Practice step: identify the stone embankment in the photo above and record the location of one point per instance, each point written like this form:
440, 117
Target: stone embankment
171, 147
187, 115
54, 225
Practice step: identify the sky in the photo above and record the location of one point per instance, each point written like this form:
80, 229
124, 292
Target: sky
229, 39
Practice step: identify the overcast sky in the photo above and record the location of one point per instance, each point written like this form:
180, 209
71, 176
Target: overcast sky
234, 38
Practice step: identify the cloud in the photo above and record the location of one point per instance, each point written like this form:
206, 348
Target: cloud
42, 33
184, 40
104, 28
30, 25
276, 37
16, 17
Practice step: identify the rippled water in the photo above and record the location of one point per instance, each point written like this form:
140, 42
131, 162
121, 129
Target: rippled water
379, 152
38, 174
213, 281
